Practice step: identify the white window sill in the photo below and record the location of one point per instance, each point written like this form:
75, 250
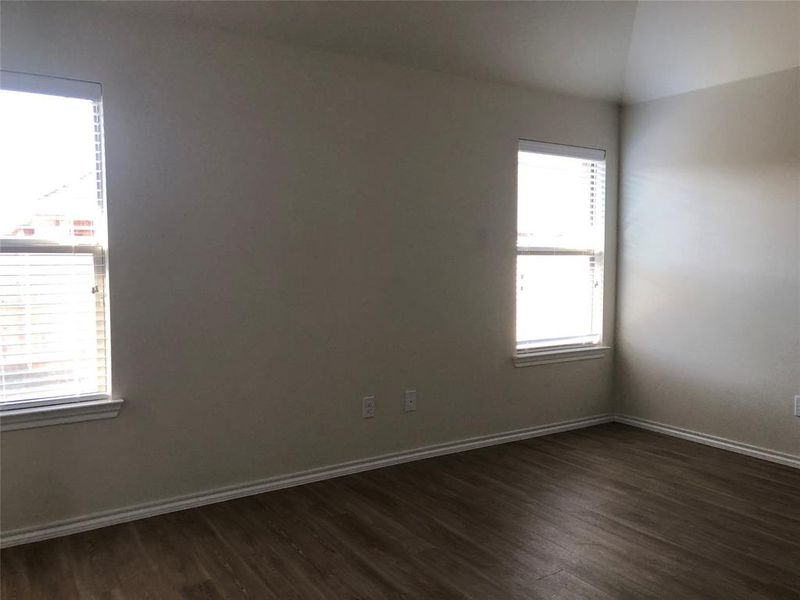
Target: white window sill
56, 414
531, 358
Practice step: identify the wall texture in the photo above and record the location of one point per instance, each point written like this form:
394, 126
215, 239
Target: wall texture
708, 332
290, 230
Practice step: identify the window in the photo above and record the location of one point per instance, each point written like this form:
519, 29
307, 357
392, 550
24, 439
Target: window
53, 326
560, 242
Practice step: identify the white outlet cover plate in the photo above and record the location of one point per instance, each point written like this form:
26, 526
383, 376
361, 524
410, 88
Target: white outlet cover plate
368, 407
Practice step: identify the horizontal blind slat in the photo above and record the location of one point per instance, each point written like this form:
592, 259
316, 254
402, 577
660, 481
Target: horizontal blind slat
52, 326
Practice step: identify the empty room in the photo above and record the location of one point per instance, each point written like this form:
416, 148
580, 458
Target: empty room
378, 300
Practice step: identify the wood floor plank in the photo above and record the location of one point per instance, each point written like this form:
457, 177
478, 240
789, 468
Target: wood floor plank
609, 512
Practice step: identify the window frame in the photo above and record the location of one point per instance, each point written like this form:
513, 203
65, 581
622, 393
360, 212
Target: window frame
24, 413
566, 352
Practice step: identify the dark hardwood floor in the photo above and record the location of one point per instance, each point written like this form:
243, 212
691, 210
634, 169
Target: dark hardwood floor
606, 512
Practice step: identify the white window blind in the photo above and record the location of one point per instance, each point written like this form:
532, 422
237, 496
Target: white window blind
560, 243
53, 329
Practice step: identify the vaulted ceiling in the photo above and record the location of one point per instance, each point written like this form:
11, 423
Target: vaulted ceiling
624, 51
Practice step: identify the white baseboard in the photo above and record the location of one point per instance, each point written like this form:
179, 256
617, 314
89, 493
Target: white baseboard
142, 511
132, 513
711, 440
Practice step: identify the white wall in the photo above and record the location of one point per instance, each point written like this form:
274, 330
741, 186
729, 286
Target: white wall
291, 230
709, 276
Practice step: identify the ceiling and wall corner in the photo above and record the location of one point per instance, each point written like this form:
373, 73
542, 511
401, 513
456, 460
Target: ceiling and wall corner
623, 51
679, 47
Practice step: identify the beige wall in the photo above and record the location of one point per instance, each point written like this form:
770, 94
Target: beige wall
291, 230
709, 276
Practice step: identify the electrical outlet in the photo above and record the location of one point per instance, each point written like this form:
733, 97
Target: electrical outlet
368, 407
410, 400
797, 406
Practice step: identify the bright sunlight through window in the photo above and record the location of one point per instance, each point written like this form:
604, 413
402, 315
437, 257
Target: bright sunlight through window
52, 242
560, 241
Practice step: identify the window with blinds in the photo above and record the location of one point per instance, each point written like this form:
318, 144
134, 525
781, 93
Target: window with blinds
560, 243
53, 326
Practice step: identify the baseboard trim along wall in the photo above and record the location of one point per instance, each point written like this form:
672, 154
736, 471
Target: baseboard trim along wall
132, 513
711, 440
114, 517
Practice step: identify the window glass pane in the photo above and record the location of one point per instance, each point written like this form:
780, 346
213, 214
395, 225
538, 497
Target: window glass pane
560, 244
49, 168
555, 300
556, 202
52, 247
52, 342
